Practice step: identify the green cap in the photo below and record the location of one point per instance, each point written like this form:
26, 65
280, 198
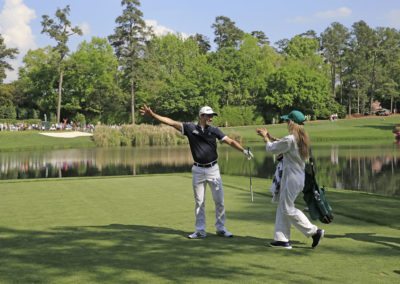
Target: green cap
295, 116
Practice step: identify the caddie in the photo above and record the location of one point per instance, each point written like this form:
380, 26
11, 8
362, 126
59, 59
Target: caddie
205, 170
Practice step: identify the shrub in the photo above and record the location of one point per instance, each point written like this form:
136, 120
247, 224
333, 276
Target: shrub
8, 111
238, 116
138, 135
105, 136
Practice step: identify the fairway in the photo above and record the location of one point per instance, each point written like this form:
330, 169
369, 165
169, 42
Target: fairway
132, 230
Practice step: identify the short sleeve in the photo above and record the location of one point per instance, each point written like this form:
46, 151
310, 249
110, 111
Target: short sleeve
218, 133
186, 128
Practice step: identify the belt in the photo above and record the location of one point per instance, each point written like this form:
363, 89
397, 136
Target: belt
209, 165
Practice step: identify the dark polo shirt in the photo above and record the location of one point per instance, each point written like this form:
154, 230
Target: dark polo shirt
203, 144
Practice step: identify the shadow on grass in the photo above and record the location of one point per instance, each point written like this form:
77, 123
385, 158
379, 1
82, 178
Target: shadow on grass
128, 254
390, 242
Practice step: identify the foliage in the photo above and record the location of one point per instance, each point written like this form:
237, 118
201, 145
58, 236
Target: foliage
180, 81
137, 135
91, 83
129, 41
237, 116
105, 136
60, 29
334, 40
296, 86
5, 54
226, 32
342, 70
8, 111
38, 80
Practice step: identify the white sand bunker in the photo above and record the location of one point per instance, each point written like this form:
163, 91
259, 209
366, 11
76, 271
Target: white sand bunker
72, 134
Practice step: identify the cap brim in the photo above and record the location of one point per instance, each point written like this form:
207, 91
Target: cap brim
285, 117
216, 114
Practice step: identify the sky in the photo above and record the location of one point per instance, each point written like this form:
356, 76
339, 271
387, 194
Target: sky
278, 19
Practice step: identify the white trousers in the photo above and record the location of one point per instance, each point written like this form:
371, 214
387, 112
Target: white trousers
287, 214
202, 177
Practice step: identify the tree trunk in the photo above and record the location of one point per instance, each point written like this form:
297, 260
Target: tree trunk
349, 105
133, 101
391, 103
341, 83
333, 79
60, 82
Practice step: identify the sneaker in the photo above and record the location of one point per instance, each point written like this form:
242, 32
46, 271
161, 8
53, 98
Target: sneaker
279, 244
225, 234
317, 237
197, 235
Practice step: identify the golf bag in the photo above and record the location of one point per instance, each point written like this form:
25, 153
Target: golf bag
315, 197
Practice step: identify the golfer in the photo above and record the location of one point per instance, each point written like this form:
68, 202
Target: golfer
295, 150
202, 140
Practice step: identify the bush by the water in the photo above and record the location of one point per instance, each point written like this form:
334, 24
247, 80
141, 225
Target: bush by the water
143, 135
137, 135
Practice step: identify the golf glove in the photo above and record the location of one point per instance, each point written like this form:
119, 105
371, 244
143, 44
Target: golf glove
248, 154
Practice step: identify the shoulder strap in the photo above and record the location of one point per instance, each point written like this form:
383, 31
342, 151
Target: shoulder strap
311, 161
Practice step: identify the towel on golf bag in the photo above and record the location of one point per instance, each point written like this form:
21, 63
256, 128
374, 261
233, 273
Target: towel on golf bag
315, 197
276, 182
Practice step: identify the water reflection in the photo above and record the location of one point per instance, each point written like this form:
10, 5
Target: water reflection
371, 169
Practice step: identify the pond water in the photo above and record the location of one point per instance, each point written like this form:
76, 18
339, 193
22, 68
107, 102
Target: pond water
374, 169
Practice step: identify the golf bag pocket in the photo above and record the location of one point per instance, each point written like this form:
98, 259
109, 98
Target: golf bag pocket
323, 206
315, 198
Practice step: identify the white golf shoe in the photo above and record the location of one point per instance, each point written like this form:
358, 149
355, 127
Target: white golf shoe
225, 233
197, 235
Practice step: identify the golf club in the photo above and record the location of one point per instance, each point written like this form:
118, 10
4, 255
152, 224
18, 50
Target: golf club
251, 183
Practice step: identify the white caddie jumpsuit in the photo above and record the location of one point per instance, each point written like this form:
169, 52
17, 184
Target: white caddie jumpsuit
292, 183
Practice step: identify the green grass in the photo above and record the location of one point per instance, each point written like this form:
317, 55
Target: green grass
132, 230
361, 131
358, 131
30, 140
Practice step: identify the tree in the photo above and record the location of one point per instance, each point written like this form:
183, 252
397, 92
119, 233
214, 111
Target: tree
38, 80
178, 80
129, 42
300, 47
7, 107
261, 37
388, 71
334, 41
226, 32
60, 29
366, 45
295, 85
281, 45
203, 42
5, 53
92, 88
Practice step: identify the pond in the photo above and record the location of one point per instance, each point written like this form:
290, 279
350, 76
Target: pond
374, 169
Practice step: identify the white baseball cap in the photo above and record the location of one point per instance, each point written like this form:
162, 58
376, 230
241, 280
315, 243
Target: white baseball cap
207, 110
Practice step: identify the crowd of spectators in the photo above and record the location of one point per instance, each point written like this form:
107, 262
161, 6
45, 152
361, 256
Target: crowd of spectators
46, 126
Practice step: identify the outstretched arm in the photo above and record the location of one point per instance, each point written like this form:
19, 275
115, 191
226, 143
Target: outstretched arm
233, 143
263, 132
145, 110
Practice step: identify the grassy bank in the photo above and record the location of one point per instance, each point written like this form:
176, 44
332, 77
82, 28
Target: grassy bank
132, 230
30, 140
358, 131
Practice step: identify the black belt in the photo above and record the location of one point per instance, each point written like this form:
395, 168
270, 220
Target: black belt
209, 165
